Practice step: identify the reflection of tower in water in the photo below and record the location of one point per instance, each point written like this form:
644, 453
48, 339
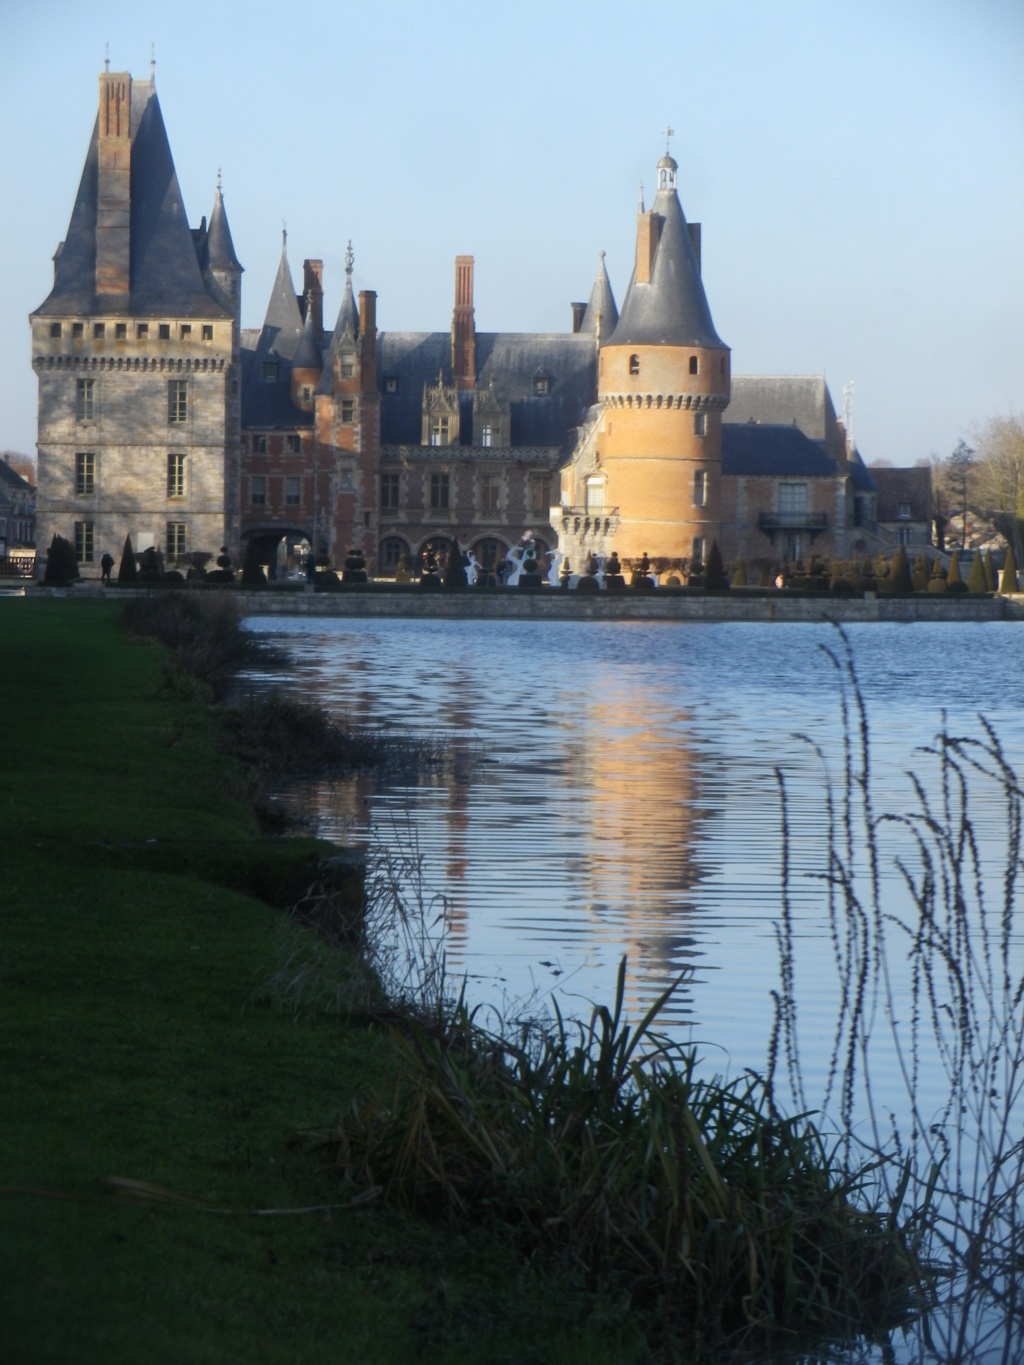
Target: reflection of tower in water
642, 820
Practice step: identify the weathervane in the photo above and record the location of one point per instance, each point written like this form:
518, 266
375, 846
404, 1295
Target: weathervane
669, 133
350, 258
106, 56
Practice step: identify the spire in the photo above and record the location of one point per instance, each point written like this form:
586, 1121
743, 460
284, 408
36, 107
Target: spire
601, 305
348, 316
307, 353
220, 250
665, 302
282, 327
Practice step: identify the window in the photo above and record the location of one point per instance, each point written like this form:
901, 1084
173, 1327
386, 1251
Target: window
348, 365
693, 364
348, 411
904, 511
85, 400
85, 473
142, 330
700, 488
293, 443
594, 495
258, 490
490, 492
121, 331
904, 535
292, 491
176, 476
389, 495
84, 542
56, 330
390, 384
792, 499
175, 540
346, 477
78, 329
540, 495
440, 488
269, 371
186, 330
165, 331
698, 550
207, 331
307, 393
259, 445
541, 385
700, 424
391, 551
177, 400
99, 330
634, 364
488, 434
440, 429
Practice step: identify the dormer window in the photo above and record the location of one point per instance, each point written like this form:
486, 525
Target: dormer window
488, 434
348, 365
269, 371
541, 385
440, 429
391, 383
634, 364
904, 511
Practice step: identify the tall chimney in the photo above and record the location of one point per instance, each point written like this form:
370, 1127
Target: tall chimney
368, 338
578, 310
463, 326
648, 235
113, 192
313, 288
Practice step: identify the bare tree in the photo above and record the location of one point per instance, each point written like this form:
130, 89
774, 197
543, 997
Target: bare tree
999, 478
960, 467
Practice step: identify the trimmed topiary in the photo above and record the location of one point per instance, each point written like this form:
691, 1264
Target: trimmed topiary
128, 572
990, 573
455, 570
1008, 577
61, 563
976, 584
739, 573
714, 572
954, 580
899, 572
252, 570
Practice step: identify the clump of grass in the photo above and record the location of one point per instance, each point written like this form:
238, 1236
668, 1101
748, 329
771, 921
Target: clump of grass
956, 1009
204, 633
598, 1143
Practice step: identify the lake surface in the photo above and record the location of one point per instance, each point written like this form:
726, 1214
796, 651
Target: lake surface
616, 789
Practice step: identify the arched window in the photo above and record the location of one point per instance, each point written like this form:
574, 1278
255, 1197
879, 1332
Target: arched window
693, 364
392, 548
634, 364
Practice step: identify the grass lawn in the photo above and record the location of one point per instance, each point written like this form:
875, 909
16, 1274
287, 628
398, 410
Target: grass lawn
136, 1042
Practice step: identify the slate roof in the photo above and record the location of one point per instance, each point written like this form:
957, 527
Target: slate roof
672, 308
860, 476
220, 249
268, 402
513, 360
602, 301
767, 450
165, 278
783, 399
912, 485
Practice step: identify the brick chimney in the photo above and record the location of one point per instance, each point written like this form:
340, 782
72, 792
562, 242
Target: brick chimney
578, 310
368, 338
313, 290
113, 189
648, 235
464, 326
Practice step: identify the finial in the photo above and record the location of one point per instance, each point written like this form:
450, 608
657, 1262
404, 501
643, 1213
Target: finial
218, 180
349, 258
669, 133
640, 206
284, 235
601, 256
152, 63
106, 56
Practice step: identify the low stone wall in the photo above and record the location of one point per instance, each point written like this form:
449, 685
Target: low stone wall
664, 604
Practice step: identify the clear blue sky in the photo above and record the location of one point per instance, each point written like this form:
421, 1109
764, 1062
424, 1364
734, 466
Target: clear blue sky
858, 168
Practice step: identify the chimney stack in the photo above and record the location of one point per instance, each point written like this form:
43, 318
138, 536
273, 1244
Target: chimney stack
464, 326
313, 289
113, 192
648, 235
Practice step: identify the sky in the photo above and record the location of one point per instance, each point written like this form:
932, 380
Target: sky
858, 168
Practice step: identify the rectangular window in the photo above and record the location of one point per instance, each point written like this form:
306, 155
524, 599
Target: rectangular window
165, 331
258, 490
440, 428
307, 393
700, 488
84, 542
85, 472
594, 493
490, 491
99, 330
292, 491
488, 434
270, 371
121, 331
540, 386
700, 424
698, 550
207, 331
389, 492
177, 400
293, 443
175, 540
142, 331
904, 511
348, 411
186, 330
391, 383
259, 445
78, 329
904, 535
56, 330
85, 400
540, 495
348, 366
176, 476
440, 491
792, 499
346, 478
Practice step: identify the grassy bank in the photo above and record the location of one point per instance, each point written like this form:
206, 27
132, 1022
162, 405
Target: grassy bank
137, 1043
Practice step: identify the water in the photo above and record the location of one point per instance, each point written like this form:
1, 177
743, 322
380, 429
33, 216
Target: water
615, 790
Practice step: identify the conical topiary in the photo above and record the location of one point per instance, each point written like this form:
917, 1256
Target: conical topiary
1008, 578
919, 573
714, 571
954, 580
937, 581
61, 563
990, 573
128, 572
252, 570
976, 583
739, 573
899, 572
455, 571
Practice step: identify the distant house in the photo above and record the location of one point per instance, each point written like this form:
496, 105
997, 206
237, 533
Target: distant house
17, 518
905, 504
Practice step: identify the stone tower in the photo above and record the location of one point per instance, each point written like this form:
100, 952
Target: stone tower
646, 473
136, 351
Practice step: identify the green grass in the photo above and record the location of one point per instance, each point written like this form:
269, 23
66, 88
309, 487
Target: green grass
137, 1042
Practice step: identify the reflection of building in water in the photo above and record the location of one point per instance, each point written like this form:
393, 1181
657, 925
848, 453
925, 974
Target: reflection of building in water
642, 818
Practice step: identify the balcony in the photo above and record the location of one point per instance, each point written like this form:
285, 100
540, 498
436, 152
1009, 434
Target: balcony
811, 522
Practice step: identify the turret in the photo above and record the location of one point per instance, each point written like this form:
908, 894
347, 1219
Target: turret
222, 272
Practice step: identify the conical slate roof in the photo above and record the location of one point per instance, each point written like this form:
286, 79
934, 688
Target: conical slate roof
602, 301
164, 273
672, 308
282, 326
307, 354
220, 249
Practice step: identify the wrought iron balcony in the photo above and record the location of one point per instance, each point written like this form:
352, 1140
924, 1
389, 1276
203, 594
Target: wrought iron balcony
815, 522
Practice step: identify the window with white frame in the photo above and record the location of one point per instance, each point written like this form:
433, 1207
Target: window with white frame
175, 540
176, 475
177, 401
440, 492
700, 487
84, 541
258, 490
792, 499
594, 494
85, 400
85, 472
292, 491
440, 430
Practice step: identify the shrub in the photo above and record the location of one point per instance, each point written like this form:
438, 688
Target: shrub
61, 563
714, 572
976, 582
899, 572
954, 581
739, 573
1008, 577
128, 570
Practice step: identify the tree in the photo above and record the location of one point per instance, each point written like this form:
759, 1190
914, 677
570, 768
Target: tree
999, 478
961, 466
